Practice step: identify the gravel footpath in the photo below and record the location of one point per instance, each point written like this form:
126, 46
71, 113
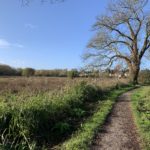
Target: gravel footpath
119, 132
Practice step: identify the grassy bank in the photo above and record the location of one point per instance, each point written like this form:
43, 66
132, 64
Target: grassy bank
30, 122
141, 109
42, 120
83, 137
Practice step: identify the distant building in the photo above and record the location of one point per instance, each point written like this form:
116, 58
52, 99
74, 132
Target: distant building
119, 74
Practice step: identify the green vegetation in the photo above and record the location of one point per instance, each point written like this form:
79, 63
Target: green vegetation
145, 76
83, 137
28, 72
41, 120
31, 119
6, 70
141, 109
52, 73
73, 73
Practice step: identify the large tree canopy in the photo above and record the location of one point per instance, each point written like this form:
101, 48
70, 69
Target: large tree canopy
123, 33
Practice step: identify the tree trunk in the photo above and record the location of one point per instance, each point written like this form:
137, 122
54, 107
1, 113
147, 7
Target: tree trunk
135, 73
135, 77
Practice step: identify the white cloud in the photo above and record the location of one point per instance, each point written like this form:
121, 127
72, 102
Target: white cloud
4, 44
30, 26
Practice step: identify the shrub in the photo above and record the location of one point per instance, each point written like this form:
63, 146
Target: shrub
145, 76
28, 72
73, 73
6, 70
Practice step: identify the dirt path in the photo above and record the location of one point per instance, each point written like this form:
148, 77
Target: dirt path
119, 132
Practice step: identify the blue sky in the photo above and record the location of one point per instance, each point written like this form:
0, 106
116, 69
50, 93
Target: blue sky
45, 36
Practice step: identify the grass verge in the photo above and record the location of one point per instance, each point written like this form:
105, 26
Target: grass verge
141, 111
82, 139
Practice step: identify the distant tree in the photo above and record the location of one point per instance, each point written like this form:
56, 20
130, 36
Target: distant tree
6, 70
73, 73
63, 73
123, 34
19, 71
28, 72
52, 73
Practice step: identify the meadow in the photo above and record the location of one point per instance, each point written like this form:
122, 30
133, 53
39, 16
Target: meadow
43, 84
43, 113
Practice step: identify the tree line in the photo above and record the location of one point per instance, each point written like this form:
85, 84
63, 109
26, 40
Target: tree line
6, 70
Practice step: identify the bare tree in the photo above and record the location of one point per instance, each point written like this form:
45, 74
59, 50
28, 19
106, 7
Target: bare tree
122, 34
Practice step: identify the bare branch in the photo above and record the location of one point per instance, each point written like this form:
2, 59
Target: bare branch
146, 43
112, 28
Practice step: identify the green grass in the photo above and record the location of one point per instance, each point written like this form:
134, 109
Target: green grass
82, 139
30, 122
42, 120
141, 111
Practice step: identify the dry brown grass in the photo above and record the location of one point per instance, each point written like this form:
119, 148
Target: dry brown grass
44, 84
31, 84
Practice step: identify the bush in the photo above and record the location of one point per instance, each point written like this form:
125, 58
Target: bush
6, 70
28, 72
73, 73
145, 76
